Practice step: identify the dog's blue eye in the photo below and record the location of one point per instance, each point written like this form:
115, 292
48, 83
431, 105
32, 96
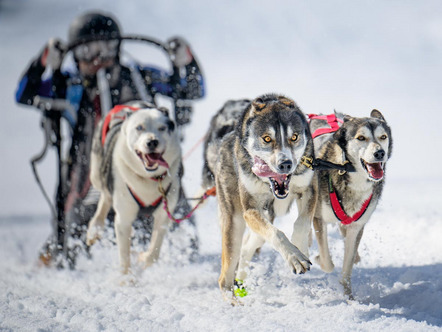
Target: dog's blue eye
163, 128
139, 128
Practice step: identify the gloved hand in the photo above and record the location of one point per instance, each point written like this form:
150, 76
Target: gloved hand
53, 54
179, 51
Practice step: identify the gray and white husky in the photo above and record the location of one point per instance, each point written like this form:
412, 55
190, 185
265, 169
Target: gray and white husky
126, 168
349, 198
258, 174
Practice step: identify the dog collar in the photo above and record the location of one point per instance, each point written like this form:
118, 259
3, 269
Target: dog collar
339, 211
159, 177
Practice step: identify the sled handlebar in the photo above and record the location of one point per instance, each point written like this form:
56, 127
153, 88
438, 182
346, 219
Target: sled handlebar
146, 39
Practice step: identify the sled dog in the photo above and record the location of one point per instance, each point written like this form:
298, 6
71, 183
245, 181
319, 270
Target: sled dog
126, 167
258, 174
349, 198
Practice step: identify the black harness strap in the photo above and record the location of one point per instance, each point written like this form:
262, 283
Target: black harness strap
317, 164
323, 165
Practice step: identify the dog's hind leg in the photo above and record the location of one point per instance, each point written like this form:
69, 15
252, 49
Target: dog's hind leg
323, 259
352, 240
96, 225
251, 243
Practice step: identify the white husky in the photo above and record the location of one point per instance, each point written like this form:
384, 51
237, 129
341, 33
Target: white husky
126, 168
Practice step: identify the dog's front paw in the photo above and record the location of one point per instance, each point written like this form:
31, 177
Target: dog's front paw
298, 262
93, 234
326, 266
230, 298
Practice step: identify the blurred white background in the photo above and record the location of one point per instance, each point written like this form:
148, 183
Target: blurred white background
344, 55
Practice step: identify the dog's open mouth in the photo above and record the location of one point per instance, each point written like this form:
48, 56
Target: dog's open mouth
374, 170
152, 161
279, 183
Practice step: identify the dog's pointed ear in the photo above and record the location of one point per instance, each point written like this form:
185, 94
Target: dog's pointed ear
338, 146
347, 118
287, 102
170, 123
258, 104
164, 110
376, 114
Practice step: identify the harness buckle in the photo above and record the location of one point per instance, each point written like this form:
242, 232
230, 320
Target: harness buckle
343, 171
307, 162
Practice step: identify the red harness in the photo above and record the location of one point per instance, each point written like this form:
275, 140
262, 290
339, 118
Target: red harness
141, 204
339, 211
155, 203
332, 121
112, 116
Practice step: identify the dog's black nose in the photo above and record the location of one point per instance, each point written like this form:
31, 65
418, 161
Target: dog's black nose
152, 144
380, 154
285, 166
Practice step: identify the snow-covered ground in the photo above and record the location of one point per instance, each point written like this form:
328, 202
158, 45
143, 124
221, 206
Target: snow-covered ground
344, 55
398, 285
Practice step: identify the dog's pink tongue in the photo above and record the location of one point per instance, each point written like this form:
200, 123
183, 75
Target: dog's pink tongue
375, 170
153, 158
260, 168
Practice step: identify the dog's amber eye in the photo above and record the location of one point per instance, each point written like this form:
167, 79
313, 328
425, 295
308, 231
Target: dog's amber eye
383, 137
294, 137
360, 138
267, 139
